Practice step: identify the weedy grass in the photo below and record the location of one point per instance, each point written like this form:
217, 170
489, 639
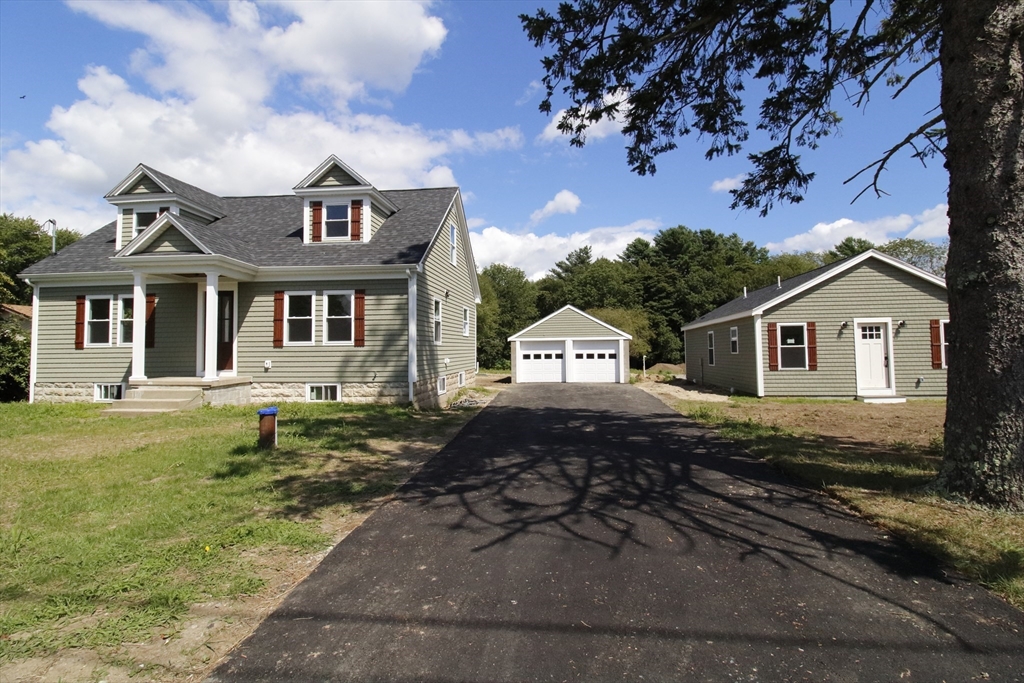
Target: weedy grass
110, 527
887, 483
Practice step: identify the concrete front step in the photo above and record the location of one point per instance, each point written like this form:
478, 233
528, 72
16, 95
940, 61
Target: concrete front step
152, 400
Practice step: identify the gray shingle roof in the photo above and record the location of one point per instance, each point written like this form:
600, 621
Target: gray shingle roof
267, 232
760, 297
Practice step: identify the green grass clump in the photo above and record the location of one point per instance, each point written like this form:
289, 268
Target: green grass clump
110, 527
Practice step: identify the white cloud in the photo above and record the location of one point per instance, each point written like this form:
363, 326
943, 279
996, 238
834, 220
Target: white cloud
929, 224
564, 202
532, 89
208, 118
727, 184
537, 254
604, 128
472, 223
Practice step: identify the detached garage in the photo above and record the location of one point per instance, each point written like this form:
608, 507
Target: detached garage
570, 346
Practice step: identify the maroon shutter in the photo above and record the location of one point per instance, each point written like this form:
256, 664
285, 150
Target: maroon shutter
278, 320
773, 347
936, 344
812, 346
357, 220
317, 209
80, 322
360, 317
150, 321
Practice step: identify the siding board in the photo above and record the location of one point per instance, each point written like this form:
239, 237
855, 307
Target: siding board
568, 323
737, 371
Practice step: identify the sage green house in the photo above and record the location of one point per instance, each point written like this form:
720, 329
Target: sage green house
336, 292
869, 327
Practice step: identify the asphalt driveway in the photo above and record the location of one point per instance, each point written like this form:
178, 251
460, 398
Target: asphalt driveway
587, 532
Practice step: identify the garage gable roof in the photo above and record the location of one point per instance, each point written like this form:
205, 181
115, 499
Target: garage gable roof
570, 322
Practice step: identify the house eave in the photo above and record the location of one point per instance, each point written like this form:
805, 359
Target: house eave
175, 264
164, 197
282, 273
376, 196
724, 319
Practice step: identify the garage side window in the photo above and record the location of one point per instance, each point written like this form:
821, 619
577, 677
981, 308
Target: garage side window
711, 348
437, 321
793, 347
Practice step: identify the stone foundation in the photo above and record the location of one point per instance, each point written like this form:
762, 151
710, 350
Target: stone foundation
64, 392
425, 390
351, 392
236, 395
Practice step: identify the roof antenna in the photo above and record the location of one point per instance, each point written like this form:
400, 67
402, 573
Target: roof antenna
780, 281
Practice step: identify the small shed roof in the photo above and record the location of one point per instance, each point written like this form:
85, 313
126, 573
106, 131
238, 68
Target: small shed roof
570, 322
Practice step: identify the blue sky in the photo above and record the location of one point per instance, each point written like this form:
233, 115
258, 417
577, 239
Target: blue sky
246, 98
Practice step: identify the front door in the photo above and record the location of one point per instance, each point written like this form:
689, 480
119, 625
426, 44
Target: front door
225, 331
872, 357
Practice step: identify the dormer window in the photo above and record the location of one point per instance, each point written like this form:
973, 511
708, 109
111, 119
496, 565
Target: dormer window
336, 223
144, 219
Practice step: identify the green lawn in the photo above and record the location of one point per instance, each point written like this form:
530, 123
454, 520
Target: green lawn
110, 527
887, 483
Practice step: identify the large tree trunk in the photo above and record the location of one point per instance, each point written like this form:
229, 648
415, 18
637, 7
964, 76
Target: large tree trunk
983, 104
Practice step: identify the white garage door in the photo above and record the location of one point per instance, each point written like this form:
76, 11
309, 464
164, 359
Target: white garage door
595, 361
541, 362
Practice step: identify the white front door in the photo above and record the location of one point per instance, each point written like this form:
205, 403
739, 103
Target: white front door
872, 343
541, 362
595, 361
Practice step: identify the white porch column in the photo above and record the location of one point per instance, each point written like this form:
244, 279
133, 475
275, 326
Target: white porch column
138, 328
211, 326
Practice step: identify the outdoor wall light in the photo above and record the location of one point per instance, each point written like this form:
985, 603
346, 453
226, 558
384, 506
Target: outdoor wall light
843, 325
902, 323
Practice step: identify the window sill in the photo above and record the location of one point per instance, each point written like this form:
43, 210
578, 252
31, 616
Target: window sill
287, 343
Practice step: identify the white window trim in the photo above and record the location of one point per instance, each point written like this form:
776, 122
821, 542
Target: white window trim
437, 331
442, 385
465, 321
137, 229
312, 315
462, 378
351, 294
110, 319
734, 336
96, 391
453, 237
337, 389
711, 348
778, 343
121, 298
942, 339
323, 220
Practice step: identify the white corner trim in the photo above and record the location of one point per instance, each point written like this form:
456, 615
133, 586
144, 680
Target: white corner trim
412, 300
758, 357
33, 346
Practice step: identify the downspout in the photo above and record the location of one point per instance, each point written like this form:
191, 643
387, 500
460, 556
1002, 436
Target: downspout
33, 344
412, 301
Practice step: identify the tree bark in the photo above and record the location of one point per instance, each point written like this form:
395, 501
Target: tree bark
982, 61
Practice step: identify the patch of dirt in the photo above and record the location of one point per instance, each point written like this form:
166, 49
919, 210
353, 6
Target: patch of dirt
679, 390
915, 423
493, 380
671, 368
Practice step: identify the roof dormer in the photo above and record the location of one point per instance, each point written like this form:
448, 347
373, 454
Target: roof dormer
145, 194
339, 205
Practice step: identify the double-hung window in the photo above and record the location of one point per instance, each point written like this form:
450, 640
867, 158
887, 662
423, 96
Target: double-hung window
734, 340
793, 346
125, 319
144, 219
437, 321
452, 243
339, 323
336, 222
711, 348
98, 320
298, 317
465, 322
